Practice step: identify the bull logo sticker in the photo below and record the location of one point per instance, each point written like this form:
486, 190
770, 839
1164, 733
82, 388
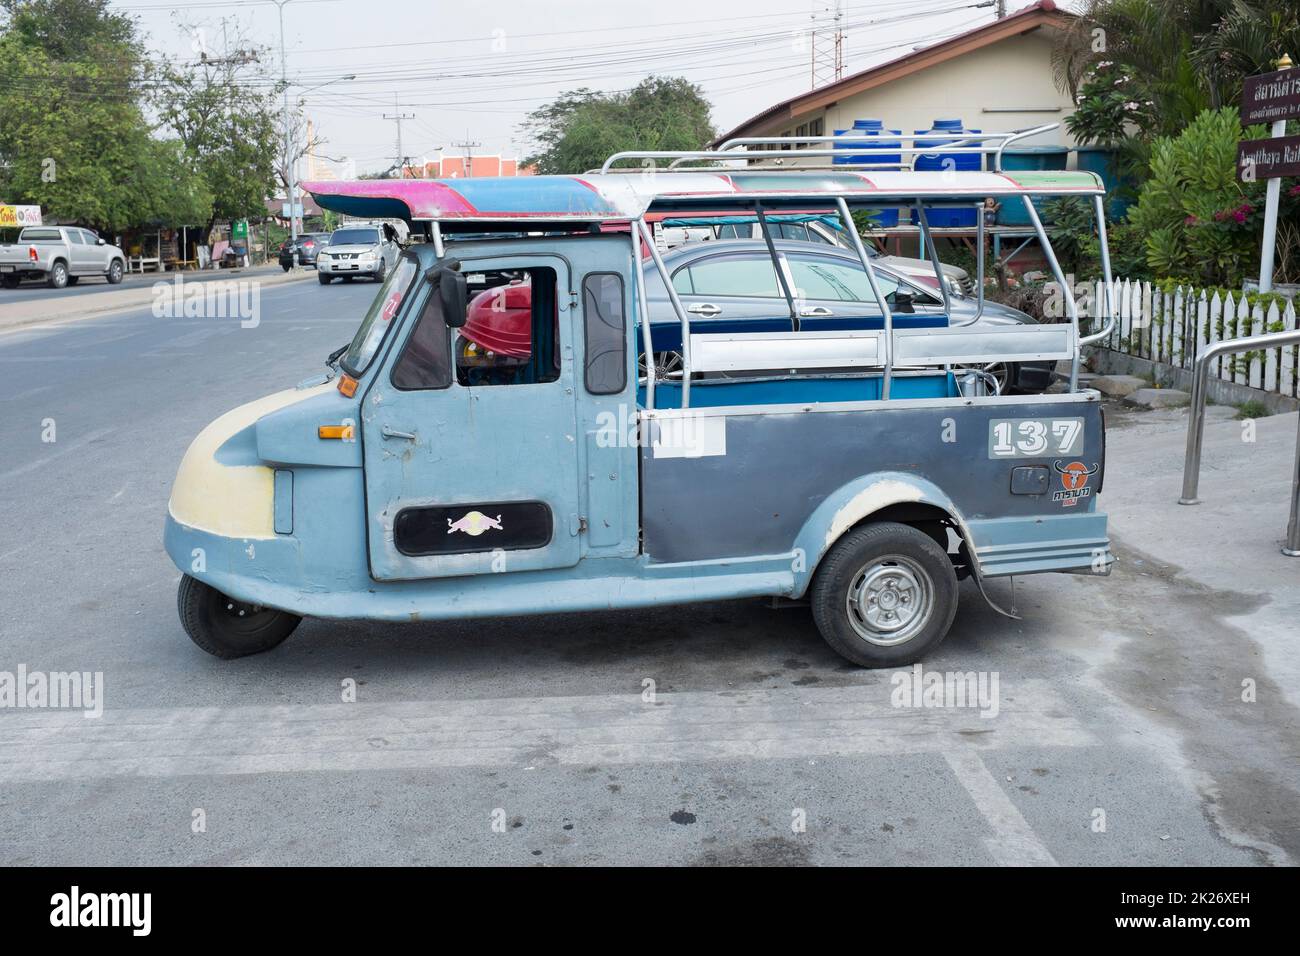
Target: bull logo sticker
474, 524
1074, 480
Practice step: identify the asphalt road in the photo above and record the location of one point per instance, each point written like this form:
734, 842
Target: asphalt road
1110, 745
35, 290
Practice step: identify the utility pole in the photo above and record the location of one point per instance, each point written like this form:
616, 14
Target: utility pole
291, 186
469, 148
401, 158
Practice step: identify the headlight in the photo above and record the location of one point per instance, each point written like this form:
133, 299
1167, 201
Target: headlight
322, 255
367, 256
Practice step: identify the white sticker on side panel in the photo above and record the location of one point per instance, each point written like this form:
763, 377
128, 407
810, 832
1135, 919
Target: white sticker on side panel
691, 436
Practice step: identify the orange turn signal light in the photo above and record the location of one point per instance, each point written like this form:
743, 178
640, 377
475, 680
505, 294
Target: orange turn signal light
347, 385
343, 432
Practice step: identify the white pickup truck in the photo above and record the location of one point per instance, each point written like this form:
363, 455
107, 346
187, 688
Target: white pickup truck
61, 255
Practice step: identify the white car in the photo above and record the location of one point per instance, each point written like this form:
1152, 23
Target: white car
369, 250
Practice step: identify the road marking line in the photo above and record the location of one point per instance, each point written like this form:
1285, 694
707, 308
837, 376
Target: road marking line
599, 729
1014, 842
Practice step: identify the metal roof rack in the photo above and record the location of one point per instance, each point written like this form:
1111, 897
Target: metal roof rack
787, 148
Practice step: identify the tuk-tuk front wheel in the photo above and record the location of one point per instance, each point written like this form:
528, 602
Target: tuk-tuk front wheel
227, 628
885, 595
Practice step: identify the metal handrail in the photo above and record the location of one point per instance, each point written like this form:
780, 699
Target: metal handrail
938, 143
935, 143
1196, 425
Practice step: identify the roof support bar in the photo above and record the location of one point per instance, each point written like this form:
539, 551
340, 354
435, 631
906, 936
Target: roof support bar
1099, 210
435, 233
777, 267
643, 307
1071, 309
979, 260
928, 241
649, 240
865, 259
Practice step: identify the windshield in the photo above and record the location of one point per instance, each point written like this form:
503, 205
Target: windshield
355, 237
379, 317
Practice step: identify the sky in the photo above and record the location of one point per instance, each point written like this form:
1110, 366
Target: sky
471, 72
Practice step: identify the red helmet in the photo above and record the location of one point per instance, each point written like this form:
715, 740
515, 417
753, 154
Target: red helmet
500, 320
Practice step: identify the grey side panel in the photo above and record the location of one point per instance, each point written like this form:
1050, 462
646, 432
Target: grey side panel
777, 469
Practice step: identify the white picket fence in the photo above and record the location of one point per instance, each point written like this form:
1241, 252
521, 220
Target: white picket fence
1174, 327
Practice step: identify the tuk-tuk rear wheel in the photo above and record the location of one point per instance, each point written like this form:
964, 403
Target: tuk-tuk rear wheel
884, 595
227, 628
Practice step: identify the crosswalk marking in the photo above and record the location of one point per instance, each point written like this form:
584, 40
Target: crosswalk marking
754, 724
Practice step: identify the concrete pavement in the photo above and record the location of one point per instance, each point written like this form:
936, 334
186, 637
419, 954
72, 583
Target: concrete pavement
1120, 736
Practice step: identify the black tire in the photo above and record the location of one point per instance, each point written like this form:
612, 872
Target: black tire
57, 277
115, 272
383, 271
10, 282
899, 559
73, 280
323, 279
227, 628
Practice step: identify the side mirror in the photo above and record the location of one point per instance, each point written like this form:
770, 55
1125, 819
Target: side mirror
453, 291
100, 242
903, 302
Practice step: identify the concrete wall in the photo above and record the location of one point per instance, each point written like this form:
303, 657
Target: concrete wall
1007, 85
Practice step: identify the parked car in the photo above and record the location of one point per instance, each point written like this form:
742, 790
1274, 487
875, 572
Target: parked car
730, 286
308, 245
812, 228
353, 251
61, 255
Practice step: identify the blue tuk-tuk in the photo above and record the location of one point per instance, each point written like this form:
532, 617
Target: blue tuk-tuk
431, 475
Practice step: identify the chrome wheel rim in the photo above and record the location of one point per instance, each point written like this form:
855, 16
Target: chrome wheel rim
890, 600
667, 365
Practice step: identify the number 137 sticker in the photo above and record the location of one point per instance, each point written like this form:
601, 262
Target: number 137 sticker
1035, 437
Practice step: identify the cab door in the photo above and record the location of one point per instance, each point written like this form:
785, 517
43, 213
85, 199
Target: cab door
82, 253
470, 435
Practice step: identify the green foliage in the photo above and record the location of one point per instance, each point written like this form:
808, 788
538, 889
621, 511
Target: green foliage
73, 138
1106, 107
1170, 59
1253, 408
227, 126
579, 130
1073, 235
1200, 224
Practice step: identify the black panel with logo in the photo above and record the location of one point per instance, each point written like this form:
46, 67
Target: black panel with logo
468, 528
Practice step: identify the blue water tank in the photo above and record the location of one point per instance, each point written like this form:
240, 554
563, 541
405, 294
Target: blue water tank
869, 135
945, 131
951, 129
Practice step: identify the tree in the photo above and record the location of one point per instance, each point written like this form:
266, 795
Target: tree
1161, 63
581, 128
72, 132
302, 139
226, 121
